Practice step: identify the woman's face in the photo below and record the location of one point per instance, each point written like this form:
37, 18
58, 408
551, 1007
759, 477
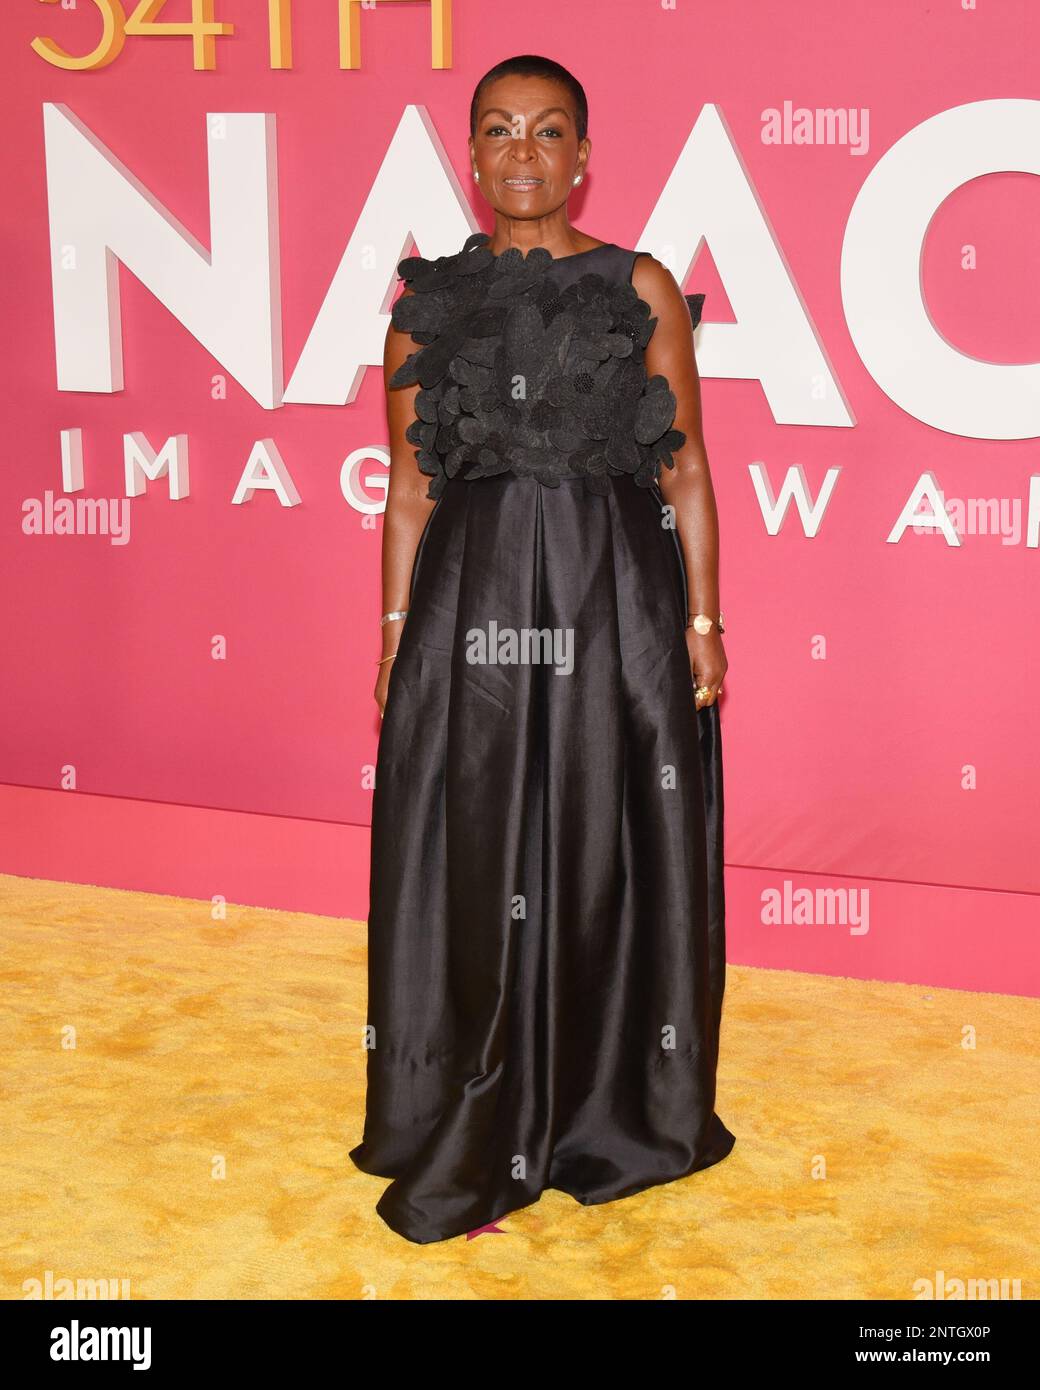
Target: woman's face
526, 146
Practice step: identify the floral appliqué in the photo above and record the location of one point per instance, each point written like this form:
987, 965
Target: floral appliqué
518, 375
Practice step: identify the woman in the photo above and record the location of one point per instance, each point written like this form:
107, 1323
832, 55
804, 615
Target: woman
546, 939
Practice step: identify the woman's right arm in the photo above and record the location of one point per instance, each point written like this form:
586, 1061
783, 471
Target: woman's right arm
407, 505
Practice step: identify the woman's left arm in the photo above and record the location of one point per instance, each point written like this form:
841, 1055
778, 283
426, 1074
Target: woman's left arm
686, 487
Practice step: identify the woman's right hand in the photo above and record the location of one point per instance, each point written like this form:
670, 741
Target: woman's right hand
382, 686
391, 641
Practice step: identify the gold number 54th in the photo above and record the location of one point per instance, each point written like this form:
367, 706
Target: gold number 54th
202, 28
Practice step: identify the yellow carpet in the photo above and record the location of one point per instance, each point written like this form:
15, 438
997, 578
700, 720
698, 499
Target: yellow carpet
201, 1042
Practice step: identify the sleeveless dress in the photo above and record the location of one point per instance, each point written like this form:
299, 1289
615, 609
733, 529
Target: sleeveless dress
546, 947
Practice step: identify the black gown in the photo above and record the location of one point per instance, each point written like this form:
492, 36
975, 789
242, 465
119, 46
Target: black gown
546, 948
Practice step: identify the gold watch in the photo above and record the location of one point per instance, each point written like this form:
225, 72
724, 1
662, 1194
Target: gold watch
701, 623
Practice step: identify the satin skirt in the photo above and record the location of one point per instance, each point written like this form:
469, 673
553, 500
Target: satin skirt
546, 947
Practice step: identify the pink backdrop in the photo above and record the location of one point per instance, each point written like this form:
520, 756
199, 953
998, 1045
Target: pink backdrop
880, 721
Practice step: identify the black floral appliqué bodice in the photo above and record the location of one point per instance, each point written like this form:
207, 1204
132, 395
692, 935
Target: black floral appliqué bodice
518, 373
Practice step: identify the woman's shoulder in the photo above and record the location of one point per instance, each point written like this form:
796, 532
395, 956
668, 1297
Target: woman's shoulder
656, 284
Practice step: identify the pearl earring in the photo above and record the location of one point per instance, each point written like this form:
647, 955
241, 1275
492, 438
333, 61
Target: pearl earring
476, 175
578, 179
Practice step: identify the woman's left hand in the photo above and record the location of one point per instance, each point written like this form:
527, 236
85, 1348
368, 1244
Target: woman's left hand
708, 664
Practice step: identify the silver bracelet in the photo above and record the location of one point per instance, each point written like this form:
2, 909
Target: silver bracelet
392, 617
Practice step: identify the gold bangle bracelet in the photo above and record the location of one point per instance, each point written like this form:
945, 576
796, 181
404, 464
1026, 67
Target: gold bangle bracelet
386, 658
